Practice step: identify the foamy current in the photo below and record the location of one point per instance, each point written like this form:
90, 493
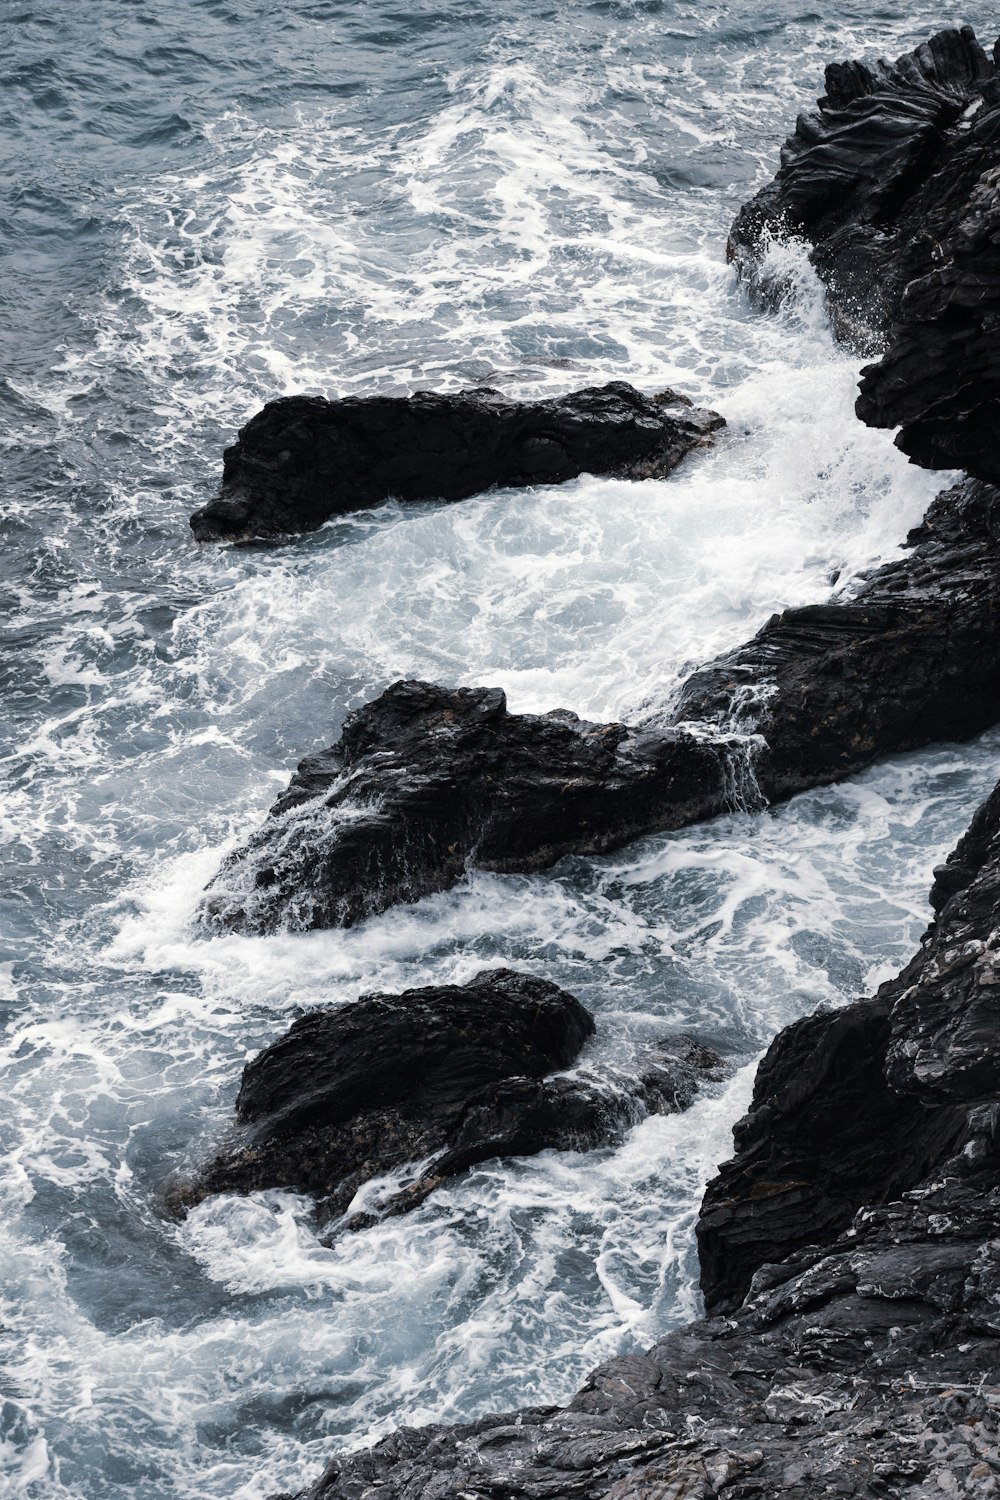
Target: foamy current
223, 203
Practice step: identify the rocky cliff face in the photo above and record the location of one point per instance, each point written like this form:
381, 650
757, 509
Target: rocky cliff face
874, 178
894, 181
433, 1080
939, 379
427, 780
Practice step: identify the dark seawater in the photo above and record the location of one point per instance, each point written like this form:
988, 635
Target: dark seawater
209, 204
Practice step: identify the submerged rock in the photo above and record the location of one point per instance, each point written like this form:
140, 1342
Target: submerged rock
851, 1256
427, 781
304, 459
435, 1079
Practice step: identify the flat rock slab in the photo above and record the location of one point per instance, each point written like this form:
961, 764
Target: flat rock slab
428, 781
304, 459
435, 1079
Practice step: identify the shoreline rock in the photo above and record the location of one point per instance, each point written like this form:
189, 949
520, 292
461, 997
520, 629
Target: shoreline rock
426, 781
434, 1080
303, 459
874, 179
894, 181
939, 379
853, 1352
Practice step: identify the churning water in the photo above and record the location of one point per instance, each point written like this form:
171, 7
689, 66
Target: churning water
217, 201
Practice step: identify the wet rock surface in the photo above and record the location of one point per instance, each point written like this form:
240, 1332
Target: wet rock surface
939, 380
895, 183
303, 459
427, 781
875, 178
853, 1341
436, 1079
908, 658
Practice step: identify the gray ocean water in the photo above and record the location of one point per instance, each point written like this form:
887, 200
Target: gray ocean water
209, 204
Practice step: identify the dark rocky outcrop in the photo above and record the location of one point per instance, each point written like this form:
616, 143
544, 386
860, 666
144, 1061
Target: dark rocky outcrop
852, 1346
436, 1079
825, 1133
911, 658
939, 379
876, 177
427, 781
304, 459
895, 183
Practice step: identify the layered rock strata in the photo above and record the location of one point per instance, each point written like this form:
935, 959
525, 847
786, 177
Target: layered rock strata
427, 782
304, 459
852, 1346
433, 1080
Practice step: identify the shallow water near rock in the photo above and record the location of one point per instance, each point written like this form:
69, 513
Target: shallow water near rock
223, 204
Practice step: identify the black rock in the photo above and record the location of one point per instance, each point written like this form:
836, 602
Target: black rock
876, 178
303, 458
895, 183
825, 1133
939, 379
909, 658
853, 1246
427, 781
438, 1078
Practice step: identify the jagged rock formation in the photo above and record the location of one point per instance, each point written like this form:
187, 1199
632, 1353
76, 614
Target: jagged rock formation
853, 1342
426, 781
876, 176
304, 459
437, 1079
908, 660
939, 380
895, 182
886, 1085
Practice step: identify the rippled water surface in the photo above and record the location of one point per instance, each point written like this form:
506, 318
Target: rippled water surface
215, 202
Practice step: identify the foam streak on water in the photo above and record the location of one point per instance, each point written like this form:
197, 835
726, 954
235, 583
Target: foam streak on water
215, 203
